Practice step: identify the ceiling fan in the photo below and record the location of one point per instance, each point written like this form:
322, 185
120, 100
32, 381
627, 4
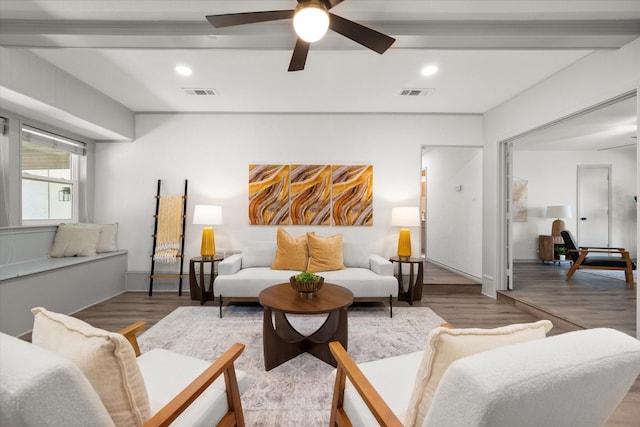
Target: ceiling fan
311, 18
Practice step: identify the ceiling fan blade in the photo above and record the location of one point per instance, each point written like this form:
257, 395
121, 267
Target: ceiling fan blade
332, 3
367, 37
231, 19
299, 57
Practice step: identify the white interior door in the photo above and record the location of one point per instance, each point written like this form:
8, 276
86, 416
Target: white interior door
594, 205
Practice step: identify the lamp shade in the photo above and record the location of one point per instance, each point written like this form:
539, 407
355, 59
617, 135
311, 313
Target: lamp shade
558, 211
207, 215
405, 217
311, 20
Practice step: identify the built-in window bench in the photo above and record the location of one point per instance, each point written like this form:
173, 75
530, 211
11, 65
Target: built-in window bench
29, 278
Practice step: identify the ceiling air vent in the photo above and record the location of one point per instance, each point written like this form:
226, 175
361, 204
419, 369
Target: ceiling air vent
417, 92
200, 92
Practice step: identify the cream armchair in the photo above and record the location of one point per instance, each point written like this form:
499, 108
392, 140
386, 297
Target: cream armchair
573, 379
43, 387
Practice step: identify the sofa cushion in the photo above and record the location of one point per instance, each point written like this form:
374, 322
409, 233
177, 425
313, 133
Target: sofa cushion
355, 254
292, 252
105, 358
325, 253
75, 240
258, 253
208, 408
444, 346
249, 282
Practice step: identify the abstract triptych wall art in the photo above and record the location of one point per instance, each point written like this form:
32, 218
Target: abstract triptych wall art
311, 194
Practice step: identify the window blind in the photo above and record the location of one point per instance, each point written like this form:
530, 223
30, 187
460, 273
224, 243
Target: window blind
48, 139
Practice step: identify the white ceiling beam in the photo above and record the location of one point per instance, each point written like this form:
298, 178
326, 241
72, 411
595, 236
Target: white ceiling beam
556, 34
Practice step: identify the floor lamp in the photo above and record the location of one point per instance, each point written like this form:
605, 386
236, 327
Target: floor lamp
405, 217
207, 215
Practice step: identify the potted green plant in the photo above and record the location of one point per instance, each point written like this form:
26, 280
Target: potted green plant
306, 282
562, 252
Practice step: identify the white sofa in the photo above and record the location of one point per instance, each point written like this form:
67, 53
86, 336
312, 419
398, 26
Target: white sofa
241, 277
573, 379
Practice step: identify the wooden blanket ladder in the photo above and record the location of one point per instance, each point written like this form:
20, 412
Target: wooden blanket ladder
180, 254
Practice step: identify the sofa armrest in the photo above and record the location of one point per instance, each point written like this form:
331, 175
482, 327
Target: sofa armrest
381, 266
230, 265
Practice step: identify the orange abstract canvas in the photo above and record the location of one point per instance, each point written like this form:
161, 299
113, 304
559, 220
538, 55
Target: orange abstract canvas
352, 195
269, 194
310, 195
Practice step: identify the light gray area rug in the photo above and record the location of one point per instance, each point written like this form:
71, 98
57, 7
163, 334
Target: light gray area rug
298, 392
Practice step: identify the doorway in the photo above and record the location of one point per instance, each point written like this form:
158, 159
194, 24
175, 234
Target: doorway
590, 153
452, 208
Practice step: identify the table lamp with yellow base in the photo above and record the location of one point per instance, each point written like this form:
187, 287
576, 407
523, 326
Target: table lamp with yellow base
207, 215
405, 217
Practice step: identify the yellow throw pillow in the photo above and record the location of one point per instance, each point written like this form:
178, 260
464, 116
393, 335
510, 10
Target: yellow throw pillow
105, 358
325, 253
292, 253
444, 346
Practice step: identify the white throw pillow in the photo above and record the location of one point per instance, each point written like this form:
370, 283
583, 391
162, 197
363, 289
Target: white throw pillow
258, 254
75, 240
108, 235
444, 346
105, 358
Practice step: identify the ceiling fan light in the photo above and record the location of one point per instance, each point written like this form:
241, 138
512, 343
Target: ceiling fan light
311, 20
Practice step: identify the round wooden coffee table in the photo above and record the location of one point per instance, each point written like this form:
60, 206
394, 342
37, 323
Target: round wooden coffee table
282, 342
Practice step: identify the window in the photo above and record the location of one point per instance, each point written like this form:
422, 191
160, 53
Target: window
49, 176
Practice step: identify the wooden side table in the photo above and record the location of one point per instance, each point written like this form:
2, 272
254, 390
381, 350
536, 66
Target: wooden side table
413, 290
199, 290
547, 248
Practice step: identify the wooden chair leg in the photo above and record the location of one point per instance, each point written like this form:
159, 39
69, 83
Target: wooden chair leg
572, 270
628, 274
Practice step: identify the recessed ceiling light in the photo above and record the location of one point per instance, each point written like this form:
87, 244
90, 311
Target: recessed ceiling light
183, 70
429, 70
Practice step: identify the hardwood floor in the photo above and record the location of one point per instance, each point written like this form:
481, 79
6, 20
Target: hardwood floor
455, 298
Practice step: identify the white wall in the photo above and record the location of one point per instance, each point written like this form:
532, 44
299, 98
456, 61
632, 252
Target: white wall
552, 180
213, 151
454, 218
